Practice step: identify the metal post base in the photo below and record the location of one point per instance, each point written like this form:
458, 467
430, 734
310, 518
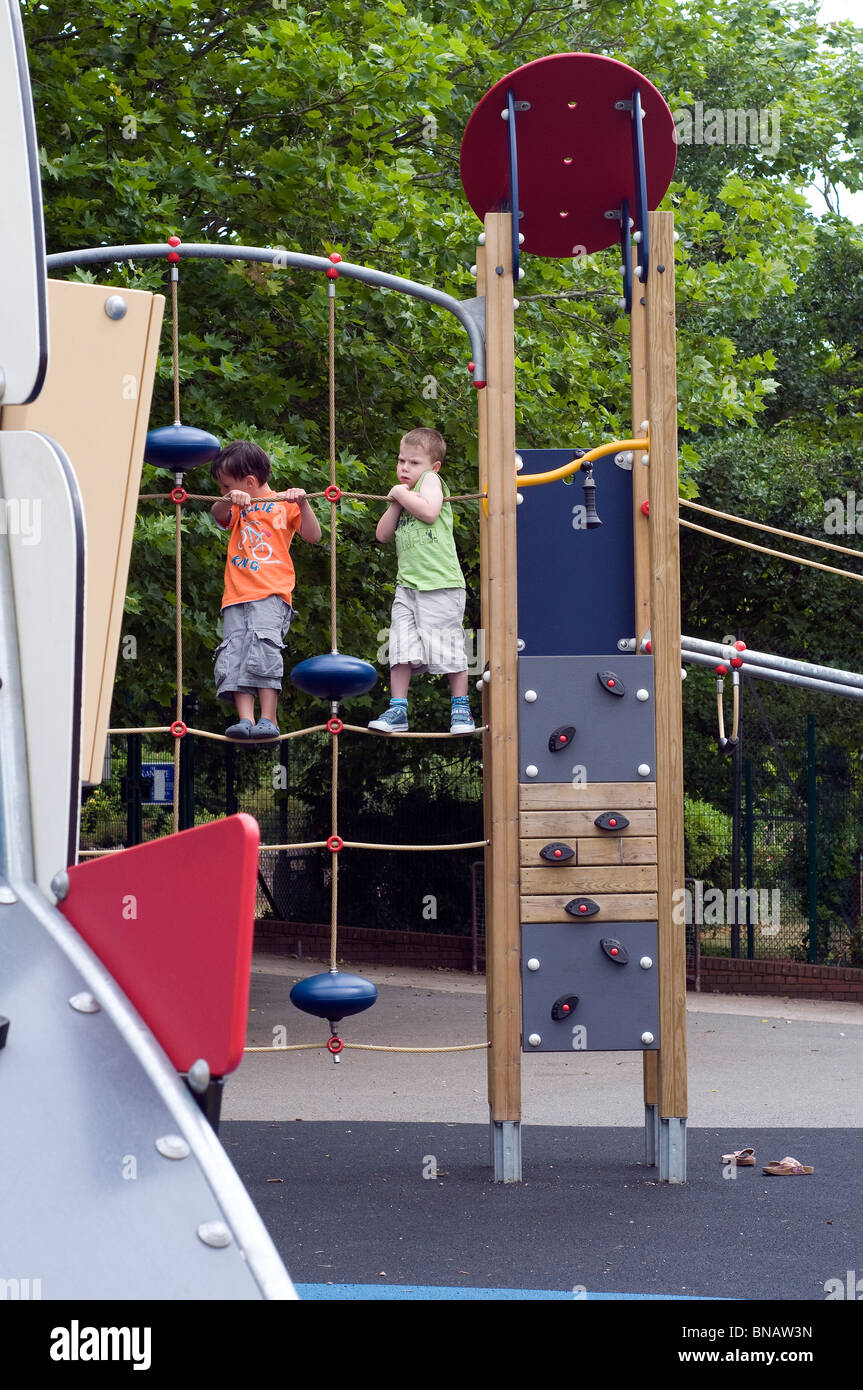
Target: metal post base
651, 1134
505, 1138
672, 1150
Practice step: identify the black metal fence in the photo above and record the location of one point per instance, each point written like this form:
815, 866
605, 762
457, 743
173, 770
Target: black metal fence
390, 792
774, 834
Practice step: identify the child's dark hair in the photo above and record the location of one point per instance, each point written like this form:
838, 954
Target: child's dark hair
240, 459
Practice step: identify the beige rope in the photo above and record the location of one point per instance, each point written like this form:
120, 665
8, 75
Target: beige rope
334, 511
178, 561
334, 898
375, 733
175, 335
374, 1047
774, 530
764, 550
357, 496
467, 844
223, 738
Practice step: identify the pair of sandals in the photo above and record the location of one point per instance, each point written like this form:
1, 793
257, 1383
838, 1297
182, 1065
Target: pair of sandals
778, 1168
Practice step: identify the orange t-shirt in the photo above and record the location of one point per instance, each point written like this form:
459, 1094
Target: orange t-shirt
259, 560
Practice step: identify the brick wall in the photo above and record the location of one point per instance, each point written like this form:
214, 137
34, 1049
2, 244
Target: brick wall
367, 946
721, 975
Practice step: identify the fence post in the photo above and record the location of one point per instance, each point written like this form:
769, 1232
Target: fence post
750, 928
187, 767
134, 816
735, 849
811, 839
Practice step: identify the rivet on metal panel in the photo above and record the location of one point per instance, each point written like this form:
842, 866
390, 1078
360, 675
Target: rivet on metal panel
214, 1233
535, 1039
85, 1003
60, 885
199, 1076
533, 963
647, 1039
172, 1146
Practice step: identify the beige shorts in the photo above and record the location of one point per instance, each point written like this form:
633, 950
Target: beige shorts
426, 630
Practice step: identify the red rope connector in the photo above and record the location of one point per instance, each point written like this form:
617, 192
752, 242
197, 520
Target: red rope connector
178, 728
645, 509
173, 256
334, 725
178, 494
173, 241
471, 366
332, 493
335, 843
335, 1045
479, 385
721, 670
740, 646
737, 662
334, 257
332, 274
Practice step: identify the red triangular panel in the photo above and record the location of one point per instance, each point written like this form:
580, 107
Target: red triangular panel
173, 922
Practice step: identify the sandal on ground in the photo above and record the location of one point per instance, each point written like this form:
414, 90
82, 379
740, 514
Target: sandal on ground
744, 1158
786, 1168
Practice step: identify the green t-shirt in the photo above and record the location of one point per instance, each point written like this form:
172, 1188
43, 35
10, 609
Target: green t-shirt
426, 553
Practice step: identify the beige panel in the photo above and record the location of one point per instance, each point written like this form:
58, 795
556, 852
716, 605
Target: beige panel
595, 796
640, 849
619, 907
614, 878
96, 404
572, 825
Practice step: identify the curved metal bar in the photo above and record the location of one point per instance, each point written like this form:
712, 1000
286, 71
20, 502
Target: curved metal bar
766, 673
513, 180
640, 178
626, 253
601, 450
200, 250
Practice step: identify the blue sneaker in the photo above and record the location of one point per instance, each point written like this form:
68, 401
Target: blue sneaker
461, 720
394, 720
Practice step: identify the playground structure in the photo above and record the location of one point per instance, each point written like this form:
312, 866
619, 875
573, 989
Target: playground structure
591, 945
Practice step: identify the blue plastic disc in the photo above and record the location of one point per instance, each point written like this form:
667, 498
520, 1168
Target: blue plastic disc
333, 996
334, 676
180, 447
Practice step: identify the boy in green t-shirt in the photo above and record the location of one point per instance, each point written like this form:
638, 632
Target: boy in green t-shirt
426, 632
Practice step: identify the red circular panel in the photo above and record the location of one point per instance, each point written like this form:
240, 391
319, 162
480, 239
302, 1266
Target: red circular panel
574, 150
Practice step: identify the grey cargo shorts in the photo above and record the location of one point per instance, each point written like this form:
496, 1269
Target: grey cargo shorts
249, 657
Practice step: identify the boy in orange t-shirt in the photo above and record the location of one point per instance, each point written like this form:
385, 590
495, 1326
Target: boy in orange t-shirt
259, 582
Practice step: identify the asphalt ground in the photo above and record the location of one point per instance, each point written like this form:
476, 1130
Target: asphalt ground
373, 1174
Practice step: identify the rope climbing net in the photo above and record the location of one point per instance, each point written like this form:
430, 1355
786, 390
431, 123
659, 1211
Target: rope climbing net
334, 726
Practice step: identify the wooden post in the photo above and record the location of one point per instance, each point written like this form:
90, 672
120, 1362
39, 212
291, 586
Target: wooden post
641, 552
665, 632
502, 891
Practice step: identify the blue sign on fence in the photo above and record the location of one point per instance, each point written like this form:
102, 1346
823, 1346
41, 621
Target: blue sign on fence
161, 777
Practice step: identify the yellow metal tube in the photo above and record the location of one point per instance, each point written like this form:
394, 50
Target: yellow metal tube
601, 450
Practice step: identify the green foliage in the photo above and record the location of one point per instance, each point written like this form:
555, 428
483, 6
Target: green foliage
340, 128
707, 832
